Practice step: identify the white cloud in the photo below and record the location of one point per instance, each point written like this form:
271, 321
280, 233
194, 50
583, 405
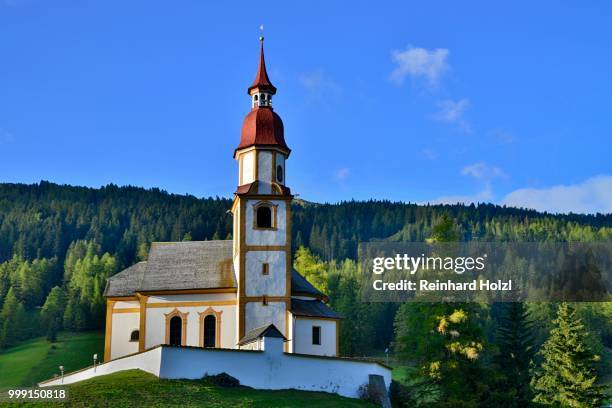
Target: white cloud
319, 86
419, 63
342, 174
452, 112
591, 196
482, 171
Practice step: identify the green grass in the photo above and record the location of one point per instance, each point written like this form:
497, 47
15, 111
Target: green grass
16, 362
37, 359
134, 388
402, 374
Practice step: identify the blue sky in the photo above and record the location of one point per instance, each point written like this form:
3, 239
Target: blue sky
504, 102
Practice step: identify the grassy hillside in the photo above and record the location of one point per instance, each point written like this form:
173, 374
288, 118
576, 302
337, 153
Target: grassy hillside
135, 388
37, 359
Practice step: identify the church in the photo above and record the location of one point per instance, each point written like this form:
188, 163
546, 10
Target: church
228, 294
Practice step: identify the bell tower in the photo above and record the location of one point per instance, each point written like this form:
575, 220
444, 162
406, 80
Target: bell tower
262, 214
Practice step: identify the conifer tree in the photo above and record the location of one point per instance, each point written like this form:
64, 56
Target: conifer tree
515, 341
567, 377
445, 339
52, 312
12, 318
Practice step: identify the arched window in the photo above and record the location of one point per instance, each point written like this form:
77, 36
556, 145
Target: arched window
256, 97
210, 328
135, 336
210, 331
176, 329
264, 217
279, 173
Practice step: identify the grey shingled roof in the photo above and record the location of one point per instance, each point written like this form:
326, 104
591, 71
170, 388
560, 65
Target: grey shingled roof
312, 308
263, 331
188, 265
126, 282
177, 266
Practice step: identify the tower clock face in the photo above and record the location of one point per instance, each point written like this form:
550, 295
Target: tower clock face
279, 173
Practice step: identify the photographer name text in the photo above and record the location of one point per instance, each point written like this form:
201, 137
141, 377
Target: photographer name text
441, 286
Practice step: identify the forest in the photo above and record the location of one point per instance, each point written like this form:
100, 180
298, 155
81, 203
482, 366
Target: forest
59, 244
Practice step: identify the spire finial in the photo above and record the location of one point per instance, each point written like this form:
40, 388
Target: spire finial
261, 37
262, 82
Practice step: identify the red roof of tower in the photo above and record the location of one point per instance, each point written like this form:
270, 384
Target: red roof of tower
261, 79
262, 127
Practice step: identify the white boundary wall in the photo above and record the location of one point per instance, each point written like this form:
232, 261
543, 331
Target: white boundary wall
270, 369
149, 361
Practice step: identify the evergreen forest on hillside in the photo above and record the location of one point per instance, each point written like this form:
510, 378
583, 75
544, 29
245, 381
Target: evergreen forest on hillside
59, 244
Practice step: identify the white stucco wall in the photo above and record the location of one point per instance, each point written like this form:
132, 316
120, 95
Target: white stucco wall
264, 171
302, 339
268, 369
123, 325
273, 284
126, 304
263, 159
156, 325
257, 315
195, 297
247, 167
266, 237
273, 369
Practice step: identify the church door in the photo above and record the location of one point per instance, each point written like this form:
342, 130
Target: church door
210, 331
176, 328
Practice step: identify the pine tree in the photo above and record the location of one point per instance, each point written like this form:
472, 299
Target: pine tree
515, 341
446, 340
69, 312
52, 312
12, 318
567, 377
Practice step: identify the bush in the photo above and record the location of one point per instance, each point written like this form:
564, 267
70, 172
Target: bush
420, 393
400, 395
221, 380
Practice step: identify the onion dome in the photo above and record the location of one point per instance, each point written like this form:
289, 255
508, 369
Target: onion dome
263, 127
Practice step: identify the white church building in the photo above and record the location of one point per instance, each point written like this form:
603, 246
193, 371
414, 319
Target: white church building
224, 300
220, 293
